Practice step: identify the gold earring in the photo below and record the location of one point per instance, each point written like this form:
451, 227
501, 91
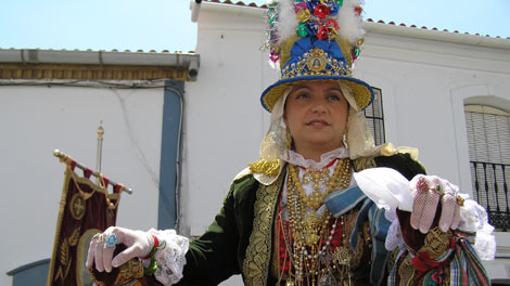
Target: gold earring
288, 139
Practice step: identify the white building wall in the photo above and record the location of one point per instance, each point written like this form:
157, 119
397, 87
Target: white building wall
424, 85
224, 121
36, 120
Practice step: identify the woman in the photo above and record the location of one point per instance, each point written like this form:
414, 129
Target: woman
295, 217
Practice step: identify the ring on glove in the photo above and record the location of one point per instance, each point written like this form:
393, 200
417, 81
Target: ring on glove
99, 236
438, 189
111, 240
460, 201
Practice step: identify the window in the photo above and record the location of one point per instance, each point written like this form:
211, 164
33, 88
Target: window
375, 117
488, 131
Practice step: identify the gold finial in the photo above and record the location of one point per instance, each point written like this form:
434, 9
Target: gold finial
99, 151
57, 153
60, 155
100, 131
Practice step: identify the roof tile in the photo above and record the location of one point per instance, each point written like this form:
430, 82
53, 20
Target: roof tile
264, 6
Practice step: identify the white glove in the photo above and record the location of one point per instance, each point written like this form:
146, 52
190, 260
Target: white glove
428, 191
138, 244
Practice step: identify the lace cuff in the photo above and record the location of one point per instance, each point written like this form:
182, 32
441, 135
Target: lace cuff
171, 258
473, 218
394, 237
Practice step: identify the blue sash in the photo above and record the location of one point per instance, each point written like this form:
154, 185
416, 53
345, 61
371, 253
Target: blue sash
340, 202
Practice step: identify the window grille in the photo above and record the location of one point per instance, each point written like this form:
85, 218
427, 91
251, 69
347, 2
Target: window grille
375, 117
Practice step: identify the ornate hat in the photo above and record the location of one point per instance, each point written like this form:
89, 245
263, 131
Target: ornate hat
315, 40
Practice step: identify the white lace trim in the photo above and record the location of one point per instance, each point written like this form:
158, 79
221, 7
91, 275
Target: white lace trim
473, 218
394, 237
297, 159
172, 258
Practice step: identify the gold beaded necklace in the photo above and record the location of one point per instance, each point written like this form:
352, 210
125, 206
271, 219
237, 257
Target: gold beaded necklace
307, 228
341, 177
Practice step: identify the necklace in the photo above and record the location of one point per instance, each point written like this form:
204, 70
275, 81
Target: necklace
341, 178
310, 232
318, 177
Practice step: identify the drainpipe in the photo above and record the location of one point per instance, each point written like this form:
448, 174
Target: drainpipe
195, 9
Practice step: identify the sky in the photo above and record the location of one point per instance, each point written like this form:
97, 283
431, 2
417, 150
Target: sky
166, 24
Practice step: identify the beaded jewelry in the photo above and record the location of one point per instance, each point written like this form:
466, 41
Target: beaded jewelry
310, 235
155, 246
341, 177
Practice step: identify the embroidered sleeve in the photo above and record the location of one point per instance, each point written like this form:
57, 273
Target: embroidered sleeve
171, 257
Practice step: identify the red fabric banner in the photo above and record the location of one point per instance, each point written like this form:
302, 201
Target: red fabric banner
86, 208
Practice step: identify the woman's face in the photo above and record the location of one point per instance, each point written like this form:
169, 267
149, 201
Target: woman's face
316, 115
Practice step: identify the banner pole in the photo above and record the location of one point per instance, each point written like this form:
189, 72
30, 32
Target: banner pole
64, 158
99, 150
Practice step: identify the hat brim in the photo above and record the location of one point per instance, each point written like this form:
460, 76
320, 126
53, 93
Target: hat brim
361, 91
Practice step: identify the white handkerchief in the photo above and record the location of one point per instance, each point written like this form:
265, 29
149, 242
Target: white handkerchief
386, 187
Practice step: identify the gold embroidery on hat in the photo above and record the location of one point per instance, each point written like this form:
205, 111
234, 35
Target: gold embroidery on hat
316, 60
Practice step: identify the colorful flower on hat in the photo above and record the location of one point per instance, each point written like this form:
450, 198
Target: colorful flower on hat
303, 15
355, 53
318, 19
312, 27
302, 30
311, 4
333, 7
321, 11
298, 6
323, 33
332, 25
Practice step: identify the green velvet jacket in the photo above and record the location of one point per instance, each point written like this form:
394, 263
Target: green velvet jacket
240, 239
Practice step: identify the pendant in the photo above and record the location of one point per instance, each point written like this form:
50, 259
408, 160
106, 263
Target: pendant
326, 259
289, 283
342, 256
327, 280
316, 177
312, 239
312, 223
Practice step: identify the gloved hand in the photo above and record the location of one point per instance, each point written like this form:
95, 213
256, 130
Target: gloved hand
428, 192
138, 243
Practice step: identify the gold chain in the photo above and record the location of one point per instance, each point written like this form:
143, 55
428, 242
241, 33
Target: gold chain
341, 178
307, 227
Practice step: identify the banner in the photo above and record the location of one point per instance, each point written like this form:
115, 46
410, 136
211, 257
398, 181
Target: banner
86, 208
